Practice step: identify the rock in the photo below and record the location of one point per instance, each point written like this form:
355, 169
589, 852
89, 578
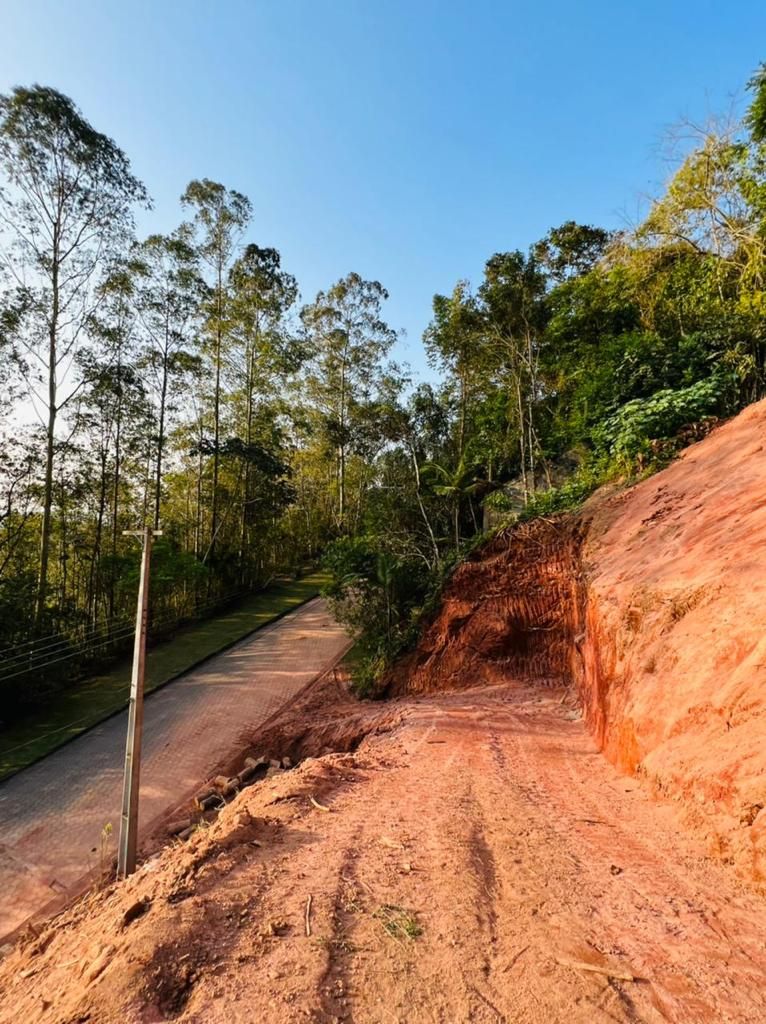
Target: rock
275, 927
174, 827
274, 764
252, 769
211, 801
750, 813
134, 911
287, 762
99, 965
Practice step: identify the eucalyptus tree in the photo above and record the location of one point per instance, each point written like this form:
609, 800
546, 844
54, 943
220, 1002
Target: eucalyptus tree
511, 298
65, 206
169, 291
114, 392
454, 343
113, 416
348, 342
19, 490
264, 352
219, 216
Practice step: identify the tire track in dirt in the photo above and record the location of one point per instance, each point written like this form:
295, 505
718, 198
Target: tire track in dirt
650, 888
335, 999
487, 823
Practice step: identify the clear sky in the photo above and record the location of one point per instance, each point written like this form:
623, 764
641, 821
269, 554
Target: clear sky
405, 139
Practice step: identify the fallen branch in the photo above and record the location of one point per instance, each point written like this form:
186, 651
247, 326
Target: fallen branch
308, 916
582, 965
518, 955
489, 1005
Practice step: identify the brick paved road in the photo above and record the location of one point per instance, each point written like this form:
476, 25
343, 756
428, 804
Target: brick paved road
52, 813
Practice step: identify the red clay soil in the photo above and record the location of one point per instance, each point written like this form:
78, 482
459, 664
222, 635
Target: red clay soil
513, 610
464, 852
674, 657
474, 859
652, 605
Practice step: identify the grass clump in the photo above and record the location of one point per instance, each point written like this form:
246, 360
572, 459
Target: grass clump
398, 923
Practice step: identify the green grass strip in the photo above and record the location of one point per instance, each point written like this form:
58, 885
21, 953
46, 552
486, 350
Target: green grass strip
73, 711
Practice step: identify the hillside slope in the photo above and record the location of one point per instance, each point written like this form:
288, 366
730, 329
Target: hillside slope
674, 670
464, 852
651, 606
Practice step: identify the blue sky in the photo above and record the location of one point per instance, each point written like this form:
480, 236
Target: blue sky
405, 140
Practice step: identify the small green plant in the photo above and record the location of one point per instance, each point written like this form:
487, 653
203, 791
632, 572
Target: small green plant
566, 498
104, 857
398, 923
106, 839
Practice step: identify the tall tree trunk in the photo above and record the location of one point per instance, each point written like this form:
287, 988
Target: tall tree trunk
522, 437
216, 407
342, 447
160, 439
116, 486
93, 589
50, 445
250, 383
531, 390
463, 410
421, 506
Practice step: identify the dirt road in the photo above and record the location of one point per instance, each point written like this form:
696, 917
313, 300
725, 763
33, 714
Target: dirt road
475, 859
53, 813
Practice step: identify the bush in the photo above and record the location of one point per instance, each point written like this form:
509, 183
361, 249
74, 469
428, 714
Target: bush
380, 596
565, 498
629, 433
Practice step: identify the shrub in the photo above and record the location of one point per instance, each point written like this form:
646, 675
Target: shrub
629, 433
569, 496
381, 597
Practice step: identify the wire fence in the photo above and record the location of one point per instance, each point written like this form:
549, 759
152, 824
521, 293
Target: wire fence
195, 721
70, 654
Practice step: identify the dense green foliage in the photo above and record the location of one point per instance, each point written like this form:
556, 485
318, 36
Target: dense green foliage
590, 357
179, 381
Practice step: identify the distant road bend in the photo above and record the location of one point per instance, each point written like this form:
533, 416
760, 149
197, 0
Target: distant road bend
52, 813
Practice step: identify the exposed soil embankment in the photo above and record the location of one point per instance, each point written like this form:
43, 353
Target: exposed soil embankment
653, 602
513, 610
674, 672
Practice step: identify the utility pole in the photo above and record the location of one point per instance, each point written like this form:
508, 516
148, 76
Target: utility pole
126, 856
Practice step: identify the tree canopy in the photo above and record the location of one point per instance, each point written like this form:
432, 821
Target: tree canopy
180, 379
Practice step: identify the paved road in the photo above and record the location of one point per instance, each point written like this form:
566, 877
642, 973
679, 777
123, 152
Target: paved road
52, 814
